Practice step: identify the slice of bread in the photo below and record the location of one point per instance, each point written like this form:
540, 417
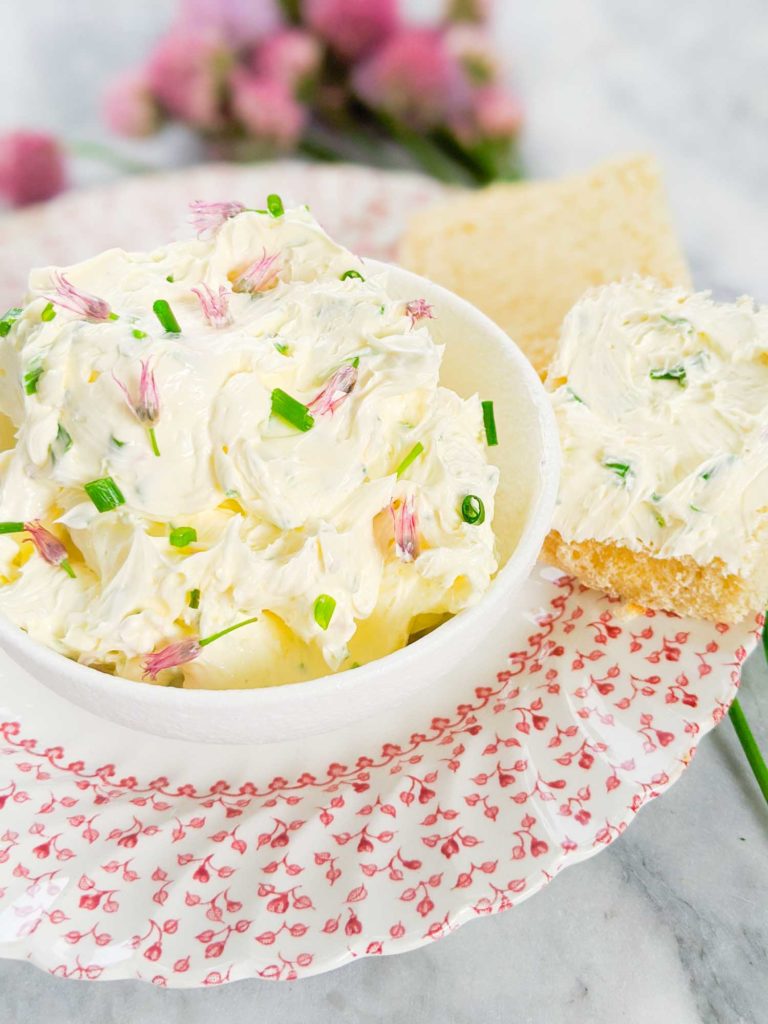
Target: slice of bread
660, 399
524, 253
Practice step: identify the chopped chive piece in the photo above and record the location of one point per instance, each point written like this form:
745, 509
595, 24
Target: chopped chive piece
574, 396
381, 310
113, 316
619, 468
325, 606
695, 508
61, 443
275, 205
351, 273
11, 527
138, 335
181, 536
659, 517
48, 313
291, 410
473, 510
116, 443
31, 378
169, 279
675, 321
282, 348
707, 474
676, 373
64, 563
194, 598
489, 422
9, 319
355, 362
104, 493
153, 441
412, 455
164, 314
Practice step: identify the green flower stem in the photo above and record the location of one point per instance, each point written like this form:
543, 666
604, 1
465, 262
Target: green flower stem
104, 155
749, 745
223, 632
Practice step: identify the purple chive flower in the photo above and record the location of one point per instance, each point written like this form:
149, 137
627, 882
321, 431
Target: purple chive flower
419, 309
50, 547
76, 301
260, 275
206, 218
215, 307
335, 392
31, 167
184, 650
146, 408
406, 525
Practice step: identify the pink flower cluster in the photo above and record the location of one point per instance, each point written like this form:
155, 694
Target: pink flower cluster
268, 73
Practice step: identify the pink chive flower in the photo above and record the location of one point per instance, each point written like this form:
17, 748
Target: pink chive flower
88, 306
184, 651
268, 110
352, 27
497, 114
413, 77
129, 108
146, 408
186, 72
260, 275
215, 307
406, 526
239, 22
50, 547
31, 168
206, 218
419, 309
336, 391
472, 48
291, 56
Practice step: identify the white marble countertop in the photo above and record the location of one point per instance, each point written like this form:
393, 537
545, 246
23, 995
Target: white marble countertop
670, 924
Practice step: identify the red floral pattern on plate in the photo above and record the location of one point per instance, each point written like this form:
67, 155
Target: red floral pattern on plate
109, 872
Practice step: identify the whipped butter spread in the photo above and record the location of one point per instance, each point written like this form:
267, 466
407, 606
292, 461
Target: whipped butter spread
661, 399
243, 426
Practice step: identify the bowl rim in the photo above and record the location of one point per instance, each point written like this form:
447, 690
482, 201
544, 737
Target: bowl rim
537, 523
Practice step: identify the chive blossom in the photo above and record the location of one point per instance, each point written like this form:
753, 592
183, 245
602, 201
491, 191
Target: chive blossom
12, 527
181, 536
676, 373
324, 608
31, 378
291, 410
412, 455
194, 598
104, 493
351, 273
9, 319
164, 314
48, 313
473, 510
275, 205
489, 422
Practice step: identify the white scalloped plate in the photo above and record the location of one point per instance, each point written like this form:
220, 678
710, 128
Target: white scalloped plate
123, 856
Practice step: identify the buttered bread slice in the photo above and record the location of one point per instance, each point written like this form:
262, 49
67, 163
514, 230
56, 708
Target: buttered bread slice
661, 399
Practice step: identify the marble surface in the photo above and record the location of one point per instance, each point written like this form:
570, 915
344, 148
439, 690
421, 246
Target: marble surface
670, 923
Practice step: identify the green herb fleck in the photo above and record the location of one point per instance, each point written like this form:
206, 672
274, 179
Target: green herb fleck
182, 536
473, 510
412, 455
194, 598
282, 348
31, 378
291, 410
659, 517
621, 469
275, 205
12, 527
351, 273
48, 313
574, 396
138, 335
116, 443
164, 314
153, 441
324, 608
9, 319
676, 321
104, 493
676, 373
355, 362
113, 316
61, 443
489, 422
381, 310
695, 508
169, 279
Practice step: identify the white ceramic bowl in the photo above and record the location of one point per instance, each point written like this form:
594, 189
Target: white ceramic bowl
479, 358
